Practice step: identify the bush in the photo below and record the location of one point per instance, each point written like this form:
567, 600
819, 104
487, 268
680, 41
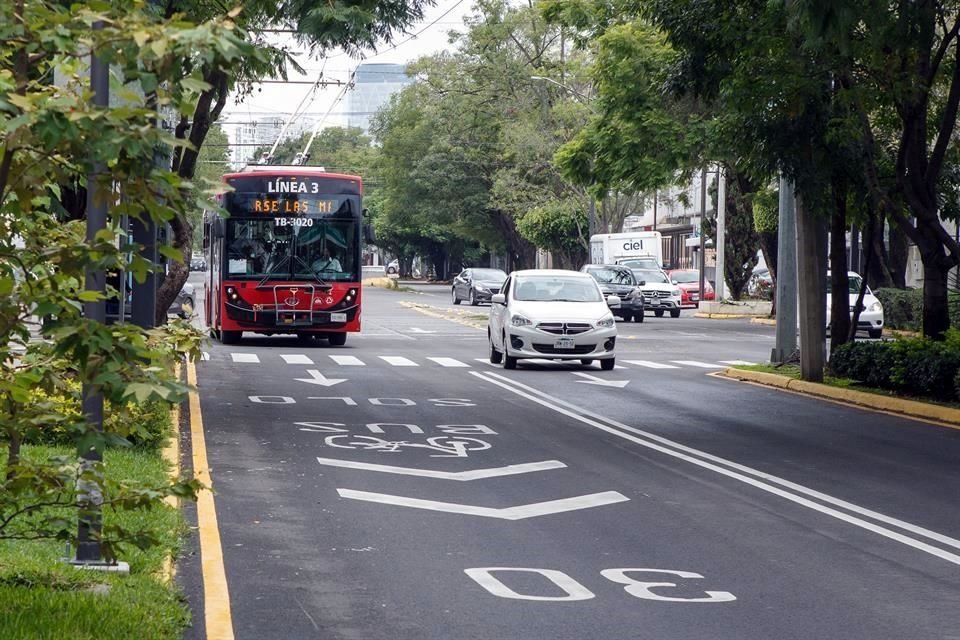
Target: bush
902, 308
915, 366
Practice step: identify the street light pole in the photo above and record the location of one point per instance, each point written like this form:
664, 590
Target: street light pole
721, 233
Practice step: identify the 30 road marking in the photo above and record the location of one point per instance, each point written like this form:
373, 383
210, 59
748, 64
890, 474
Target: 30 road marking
459, 476
245, 357
449, 362
399, 361
348, 361
296, 358
736, 471
519, 512
216, 596
650, 364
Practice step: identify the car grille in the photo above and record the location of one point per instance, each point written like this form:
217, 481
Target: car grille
564, 328
693, 292
656, 294
580, 349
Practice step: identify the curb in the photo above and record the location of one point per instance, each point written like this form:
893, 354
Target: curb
171, 454
435, 312
722, 316
767, 321
910, 408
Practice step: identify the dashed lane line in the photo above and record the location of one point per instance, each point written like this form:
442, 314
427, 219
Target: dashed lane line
296, 358
399, 361
449, 362
697, 363
348, 361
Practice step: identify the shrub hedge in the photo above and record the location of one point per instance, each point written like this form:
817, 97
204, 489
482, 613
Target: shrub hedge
903, 308
915, 366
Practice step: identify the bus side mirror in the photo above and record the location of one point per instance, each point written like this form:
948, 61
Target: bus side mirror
368, 235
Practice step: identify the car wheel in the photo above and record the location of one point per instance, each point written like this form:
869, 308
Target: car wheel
586, 361
473, 298
230, 337
453, 294
658, 313
509, 362
608, 364
337, 338
875, 333
495, 356
674, 313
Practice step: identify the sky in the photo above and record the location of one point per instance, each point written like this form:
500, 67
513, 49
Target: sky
271, 99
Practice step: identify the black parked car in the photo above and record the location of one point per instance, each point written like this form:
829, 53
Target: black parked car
476, 285
619, 281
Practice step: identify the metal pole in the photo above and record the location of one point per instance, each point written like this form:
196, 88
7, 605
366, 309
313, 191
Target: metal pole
721, 232
89, 495
655, 210
703, 217
786, 334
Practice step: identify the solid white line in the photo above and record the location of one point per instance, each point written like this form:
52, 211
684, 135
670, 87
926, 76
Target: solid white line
348, 361
736, 362
296, 358
519, 512
554, 404
485, 361
650, 365
245, 357
399, 361
449, 362
697, 363
460, 476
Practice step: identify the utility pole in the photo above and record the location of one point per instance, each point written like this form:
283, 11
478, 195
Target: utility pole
89, 494
786, 335
812, 281
703, 218
721, 232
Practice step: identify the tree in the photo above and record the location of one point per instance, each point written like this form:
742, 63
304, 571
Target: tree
741, 241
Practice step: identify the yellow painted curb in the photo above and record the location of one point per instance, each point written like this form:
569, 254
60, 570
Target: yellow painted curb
171, 455
945, 416
218, 619
769, 321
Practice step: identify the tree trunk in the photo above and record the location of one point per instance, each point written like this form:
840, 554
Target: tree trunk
879, 276
811, 272
898, 254
839, 285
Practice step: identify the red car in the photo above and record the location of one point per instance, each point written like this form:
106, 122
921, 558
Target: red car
689, 282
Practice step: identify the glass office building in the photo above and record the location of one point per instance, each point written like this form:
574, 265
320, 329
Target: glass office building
374, 83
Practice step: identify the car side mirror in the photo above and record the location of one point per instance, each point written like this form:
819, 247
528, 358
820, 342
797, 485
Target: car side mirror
643, 282
498, 298
613, 302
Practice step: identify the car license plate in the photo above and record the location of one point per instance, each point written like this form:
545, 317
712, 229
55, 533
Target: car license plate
564, 343
338, 317
694, 298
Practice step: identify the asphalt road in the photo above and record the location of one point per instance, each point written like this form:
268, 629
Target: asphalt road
401, 487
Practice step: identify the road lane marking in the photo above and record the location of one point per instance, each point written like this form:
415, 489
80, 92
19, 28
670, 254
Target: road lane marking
650, 364
519, 512
736, 362
245, 357
204, 356
319, 379
296, 358
399, 361
620, 384
449, 362
348, 361
460, 476
737, 471
697, 363
218, 619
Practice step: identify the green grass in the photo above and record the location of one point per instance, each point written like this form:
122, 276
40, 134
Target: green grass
42, 598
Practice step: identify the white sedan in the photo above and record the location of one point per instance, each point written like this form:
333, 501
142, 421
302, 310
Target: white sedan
552, 314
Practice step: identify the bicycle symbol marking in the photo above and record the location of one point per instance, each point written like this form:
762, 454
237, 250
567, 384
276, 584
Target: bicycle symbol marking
447, 446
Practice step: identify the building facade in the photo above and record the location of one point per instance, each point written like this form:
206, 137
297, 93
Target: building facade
373, 84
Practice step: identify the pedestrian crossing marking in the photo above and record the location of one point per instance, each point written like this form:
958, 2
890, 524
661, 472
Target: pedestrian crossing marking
245, 357
651, 365
296, 358
348, 361
736, 362
399, 361
449, 362
697, 363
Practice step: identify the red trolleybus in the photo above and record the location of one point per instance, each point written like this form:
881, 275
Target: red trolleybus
287, 258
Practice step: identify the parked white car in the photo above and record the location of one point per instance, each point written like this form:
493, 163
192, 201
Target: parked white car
660, 294
553, 314
871, 317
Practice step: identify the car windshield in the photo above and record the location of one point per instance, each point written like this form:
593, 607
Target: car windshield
556, 289
612, 276
652, 276
685, 276
853, 282
491, 275
640, 263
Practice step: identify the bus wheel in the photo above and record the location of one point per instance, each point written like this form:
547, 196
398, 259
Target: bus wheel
337, 339
230, 337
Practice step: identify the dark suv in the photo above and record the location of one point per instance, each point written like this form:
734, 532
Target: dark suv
615, 280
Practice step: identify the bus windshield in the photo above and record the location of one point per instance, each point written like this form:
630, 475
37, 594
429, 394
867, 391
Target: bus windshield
302, 249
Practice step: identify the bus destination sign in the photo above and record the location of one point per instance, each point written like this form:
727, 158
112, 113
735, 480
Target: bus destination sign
293, 206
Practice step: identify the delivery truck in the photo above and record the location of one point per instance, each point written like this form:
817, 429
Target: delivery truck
618, 248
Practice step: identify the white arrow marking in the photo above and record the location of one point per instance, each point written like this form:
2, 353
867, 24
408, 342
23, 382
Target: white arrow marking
600, 381
461, 476
320, 379
419, 330
509, 513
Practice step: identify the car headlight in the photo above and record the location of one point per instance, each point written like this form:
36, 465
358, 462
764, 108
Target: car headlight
876, 307
605, 323
676, 292
520, 321
480, 287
